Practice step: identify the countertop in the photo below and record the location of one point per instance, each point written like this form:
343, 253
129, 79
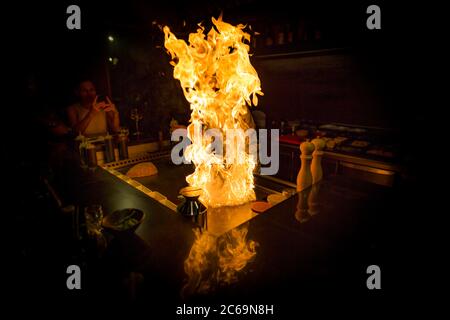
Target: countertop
319, 241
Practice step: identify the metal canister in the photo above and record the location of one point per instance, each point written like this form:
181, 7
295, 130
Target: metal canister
123, 146
91, 156
83, 154
109, 149
78, 140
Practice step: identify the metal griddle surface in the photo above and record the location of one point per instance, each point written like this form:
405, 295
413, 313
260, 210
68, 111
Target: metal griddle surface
171, 178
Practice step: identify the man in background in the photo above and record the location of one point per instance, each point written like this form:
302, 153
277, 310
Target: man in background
92, 116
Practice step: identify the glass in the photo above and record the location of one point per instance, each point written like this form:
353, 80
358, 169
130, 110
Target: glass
137, 116
94, 217
124, 131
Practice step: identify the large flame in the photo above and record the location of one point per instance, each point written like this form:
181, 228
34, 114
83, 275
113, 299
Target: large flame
219, 82
216, 261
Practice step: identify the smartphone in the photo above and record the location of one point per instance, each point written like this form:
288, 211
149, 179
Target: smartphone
101, 98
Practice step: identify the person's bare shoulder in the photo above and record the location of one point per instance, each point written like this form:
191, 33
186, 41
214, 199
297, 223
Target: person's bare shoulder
72, 113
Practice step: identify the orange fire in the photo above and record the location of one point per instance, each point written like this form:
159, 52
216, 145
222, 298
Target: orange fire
219, 82
216, 261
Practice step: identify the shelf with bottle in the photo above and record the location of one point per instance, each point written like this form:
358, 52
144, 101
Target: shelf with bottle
286, 37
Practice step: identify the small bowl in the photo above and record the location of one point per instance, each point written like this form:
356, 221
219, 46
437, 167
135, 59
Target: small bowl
124, 220
302, 133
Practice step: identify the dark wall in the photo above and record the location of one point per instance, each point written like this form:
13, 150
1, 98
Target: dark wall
358, 86
328, 87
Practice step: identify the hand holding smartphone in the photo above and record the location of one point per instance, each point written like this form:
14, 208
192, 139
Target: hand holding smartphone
101, 98
101, 102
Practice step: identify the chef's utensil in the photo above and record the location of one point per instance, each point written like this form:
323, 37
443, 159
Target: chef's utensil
191, 206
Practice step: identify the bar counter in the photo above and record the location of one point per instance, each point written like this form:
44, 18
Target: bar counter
316, 244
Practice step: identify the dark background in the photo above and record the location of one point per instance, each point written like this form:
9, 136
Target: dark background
370, 81
373, 79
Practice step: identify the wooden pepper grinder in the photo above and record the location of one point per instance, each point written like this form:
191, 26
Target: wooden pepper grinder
316, 165
304, 177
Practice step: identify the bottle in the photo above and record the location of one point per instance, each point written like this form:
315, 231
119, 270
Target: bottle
268, 42
279, 34
317, 34
301, 32
282, 128
289, 34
